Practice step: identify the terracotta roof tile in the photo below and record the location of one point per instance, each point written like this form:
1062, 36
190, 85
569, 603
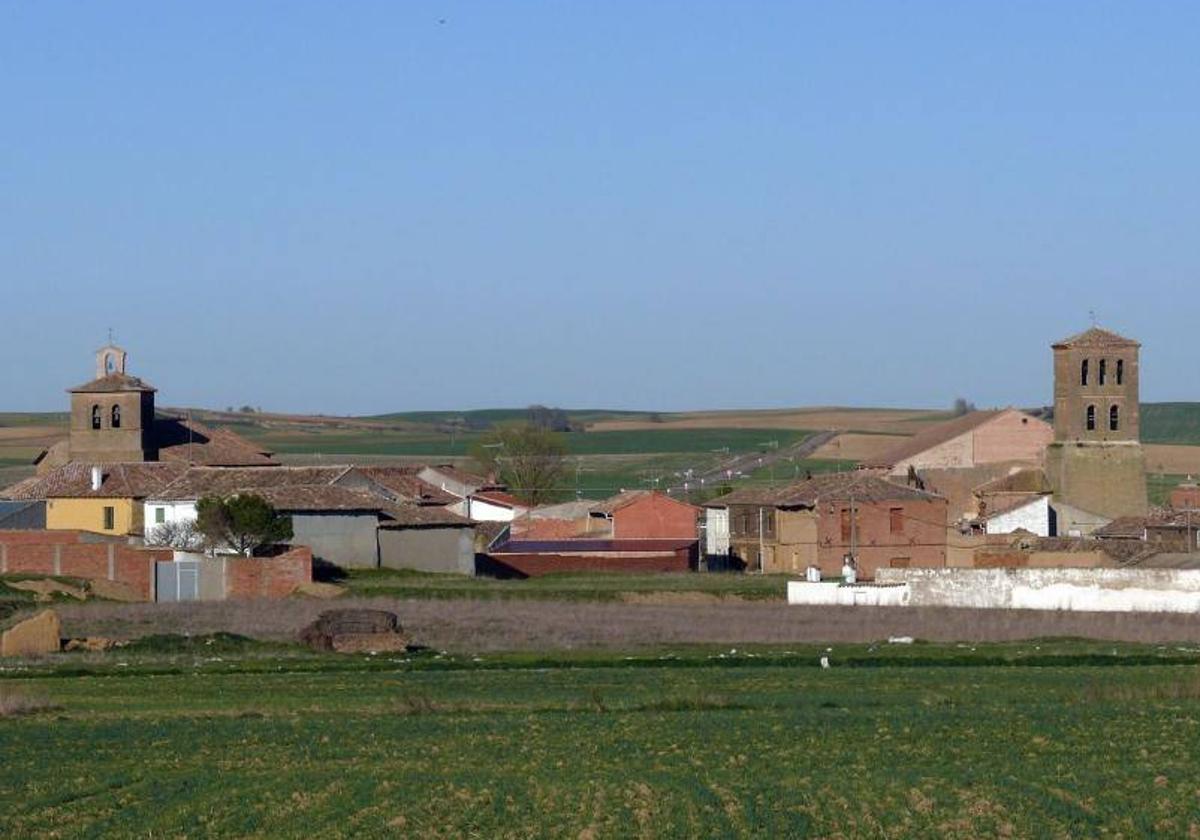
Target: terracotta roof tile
196, 482
119, 481
1096, 337
862, 486
404, 482
113, 383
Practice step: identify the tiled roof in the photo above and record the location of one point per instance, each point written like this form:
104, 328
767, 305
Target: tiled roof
861, 486
1021, 481
500, 498
196, 482
192, 442
309, 497
565, 510
933, 436
422, 516
1123, 528
404, 482
119, 481
1096, 337
461, 476
614, 503
1002, 503
113, 383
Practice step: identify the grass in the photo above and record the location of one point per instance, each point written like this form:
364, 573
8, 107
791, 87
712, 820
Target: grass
573, 586
689, 743
1159, 486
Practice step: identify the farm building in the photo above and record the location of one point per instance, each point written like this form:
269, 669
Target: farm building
530, 558
823, 520
1004, 436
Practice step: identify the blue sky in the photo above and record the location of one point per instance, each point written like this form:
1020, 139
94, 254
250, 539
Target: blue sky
366, 207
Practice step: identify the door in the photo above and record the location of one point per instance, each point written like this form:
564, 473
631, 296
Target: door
177, 580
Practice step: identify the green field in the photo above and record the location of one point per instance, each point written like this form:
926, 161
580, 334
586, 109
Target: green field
1177, 422
1068, 740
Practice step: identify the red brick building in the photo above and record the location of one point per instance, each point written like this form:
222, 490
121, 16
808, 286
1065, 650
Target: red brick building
646, 514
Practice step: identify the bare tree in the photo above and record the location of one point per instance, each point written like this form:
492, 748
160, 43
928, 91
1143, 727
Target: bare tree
529, 459
181, 535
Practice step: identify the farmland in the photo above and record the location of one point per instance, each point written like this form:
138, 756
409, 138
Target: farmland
223, 738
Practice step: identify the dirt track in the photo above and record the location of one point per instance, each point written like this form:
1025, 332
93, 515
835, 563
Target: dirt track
493, 625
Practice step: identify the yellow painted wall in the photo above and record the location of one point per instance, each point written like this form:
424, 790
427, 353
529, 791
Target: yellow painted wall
88, 515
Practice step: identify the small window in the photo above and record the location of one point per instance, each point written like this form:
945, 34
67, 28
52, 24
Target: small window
1120, 371
95, 417
1091, 418
160, 516
110, 518
116, 416
1083, 373
1100, 380
896, 520
1114, 419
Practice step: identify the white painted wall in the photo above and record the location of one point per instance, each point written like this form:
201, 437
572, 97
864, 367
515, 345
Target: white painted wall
716, 531
1088, 590
173, 511
479, 510
1033, 517
846, 594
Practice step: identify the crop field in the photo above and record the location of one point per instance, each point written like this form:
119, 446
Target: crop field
222, 738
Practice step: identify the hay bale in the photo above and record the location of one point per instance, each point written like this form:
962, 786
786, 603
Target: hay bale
354, 631
34, 635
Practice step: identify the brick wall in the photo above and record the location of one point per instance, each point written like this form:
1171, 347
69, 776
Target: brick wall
532, 565
655, 516
914, 537
268, 577
64, 554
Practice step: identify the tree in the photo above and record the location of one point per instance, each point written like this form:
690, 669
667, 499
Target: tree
244, 522
529, 459
180, 534
554, 419
963, 406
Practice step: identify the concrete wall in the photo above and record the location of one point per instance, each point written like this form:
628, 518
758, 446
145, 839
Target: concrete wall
1093, 590
428, 549
347, 539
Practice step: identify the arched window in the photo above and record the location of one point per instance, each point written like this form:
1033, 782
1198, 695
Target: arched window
116, 417
1114, 419
1083, 372
1120, 371
95, 417
1091, 418
1103, 372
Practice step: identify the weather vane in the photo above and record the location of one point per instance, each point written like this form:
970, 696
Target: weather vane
1092, 315
110, 335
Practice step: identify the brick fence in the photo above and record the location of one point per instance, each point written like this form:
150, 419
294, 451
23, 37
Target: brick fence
268, 577
67, 554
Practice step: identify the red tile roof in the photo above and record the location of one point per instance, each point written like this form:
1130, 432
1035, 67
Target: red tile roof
835, 487
404, 482
1096, 337
113, 383
196, 482
118, 481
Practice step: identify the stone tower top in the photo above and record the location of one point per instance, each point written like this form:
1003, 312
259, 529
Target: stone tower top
1096, 388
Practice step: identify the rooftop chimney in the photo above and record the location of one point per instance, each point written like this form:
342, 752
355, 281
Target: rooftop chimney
97, 477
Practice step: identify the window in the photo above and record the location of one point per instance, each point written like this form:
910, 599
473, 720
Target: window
845, 525
160, 516
1091, 418
1103, 372
1083, 373
95, 417
116, 416
1114, 419
896, 520
1120, 371
110, 518
769, 522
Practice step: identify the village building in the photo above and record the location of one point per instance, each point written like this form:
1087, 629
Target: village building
976, 439
829, 519
645, 514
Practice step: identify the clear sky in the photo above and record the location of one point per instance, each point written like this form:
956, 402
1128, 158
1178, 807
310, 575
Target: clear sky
366, 207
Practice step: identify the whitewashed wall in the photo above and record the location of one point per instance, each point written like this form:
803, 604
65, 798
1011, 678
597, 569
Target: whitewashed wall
479, 510
1033, 517
716, 531
173, 511
846, 595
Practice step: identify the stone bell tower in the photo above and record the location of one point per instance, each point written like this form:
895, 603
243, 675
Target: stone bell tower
112, 417
1096, 463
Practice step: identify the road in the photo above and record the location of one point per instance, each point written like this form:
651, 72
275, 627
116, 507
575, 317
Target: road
731, 467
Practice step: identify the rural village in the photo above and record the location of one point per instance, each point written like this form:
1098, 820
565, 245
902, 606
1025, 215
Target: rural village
116, 502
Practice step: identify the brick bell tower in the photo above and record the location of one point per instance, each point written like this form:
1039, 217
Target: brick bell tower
1096, 463
112, 417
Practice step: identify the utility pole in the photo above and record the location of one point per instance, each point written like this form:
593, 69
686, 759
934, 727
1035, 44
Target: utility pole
761, 545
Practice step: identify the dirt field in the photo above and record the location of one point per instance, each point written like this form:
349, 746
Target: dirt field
471, 626
1173, 460
893, 421
856, 447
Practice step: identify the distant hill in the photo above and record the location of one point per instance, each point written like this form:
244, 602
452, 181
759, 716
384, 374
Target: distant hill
1171, 422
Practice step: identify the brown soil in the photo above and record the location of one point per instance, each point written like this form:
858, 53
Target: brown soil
1174, 460
855, 447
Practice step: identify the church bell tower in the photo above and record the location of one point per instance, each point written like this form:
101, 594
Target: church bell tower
112, 417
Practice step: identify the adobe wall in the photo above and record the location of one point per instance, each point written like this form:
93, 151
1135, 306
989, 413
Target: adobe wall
1105, 479
921, 543
1012, 436
533, 565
